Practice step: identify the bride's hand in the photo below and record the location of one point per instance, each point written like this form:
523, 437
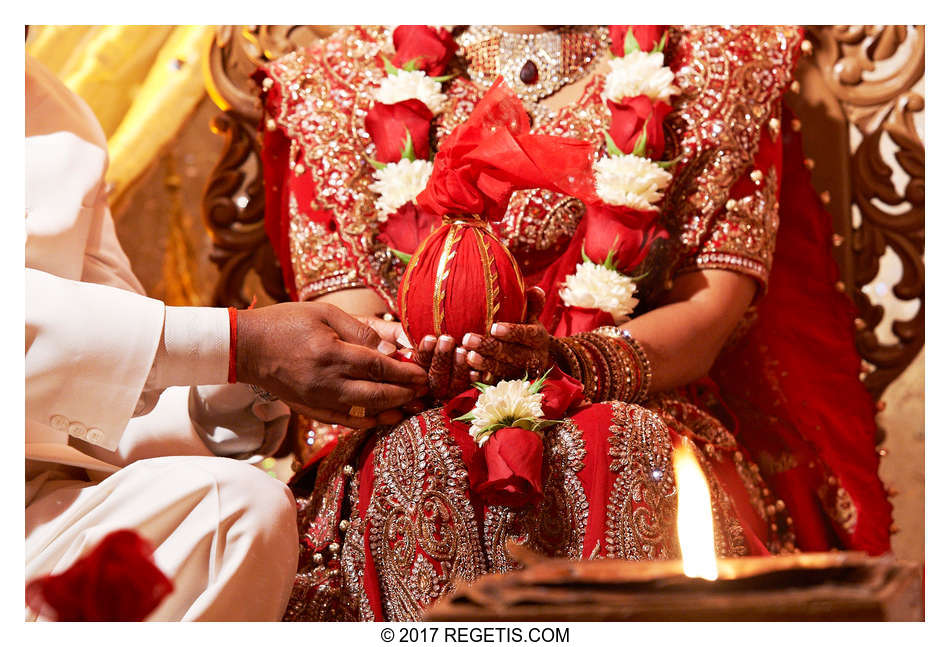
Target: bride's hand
449, 373
512, 349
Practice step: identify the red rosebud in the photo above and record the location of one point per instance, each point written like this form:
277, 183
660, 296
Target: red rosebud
405, 230
117, 581
513, 462
626, 233
647, 36
576, 320
431, 48
387, 125
633, 115
561, 392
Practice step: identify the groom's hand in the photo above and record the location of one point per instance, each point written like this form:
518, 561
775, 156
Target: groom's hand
323, 362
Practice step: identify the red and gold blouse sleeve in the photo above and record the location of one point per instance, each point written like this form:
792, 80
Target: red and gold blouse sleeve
722, 210
320, 213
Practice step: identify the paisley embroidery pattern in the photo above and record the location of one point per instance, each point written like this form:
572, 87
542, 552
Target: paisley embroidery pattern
422, 529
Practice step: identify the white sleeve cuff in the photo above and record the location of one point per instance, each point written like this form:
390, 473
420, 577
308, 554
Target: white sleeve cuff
194, 349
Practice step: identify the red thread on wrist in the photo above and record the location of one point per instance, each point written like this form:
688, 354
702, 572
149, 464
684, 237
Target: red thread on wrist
232, 350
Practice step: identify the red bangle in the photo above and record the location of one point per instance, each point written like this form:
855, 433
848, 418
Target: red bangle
232, 350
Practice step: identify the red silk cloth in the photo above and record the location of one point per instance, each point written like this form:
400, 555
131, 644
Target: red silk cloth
462, 278
492, 154
117, 582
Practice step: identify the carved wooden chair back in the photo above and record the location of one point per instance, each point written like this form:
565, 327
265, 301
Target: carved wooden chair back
859, 94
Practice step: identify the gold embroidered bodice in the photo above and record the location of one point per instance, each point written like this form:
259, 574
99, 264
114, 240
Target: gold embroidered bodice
721, 211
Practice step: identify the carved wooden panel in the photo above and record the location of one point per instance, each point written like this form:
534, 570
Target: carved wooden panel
233, 202
860, 103
860, 96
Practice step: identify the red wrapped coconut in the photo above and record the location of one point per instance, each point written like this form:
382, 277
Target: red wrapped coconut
462, 278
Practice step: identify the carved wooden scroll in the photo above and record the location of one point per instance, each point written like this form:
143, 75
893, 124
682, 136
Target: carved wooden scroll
233, 201
860, 102
860, 96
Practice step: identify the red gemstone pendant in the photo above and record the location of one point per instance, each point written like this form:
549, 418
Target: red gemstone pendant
529, 73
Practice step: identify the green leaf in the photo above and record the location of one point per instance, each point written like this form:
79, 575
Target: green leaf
669, 163
612, 149
412, 64
538, 384
630, 43
523, 423
661, 44
584, 255
609, 261
403, 256
390, 68
466, 418
443, 78
408, 152
481, 387
376, 165
641, 146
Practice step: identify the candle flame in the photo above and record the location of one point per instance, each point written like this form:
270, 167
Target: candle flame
694, 514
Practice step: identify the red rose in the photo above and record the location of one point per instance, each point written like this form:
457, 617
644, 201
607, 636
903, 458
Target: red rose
513, 458
647, 36
117, 581
625, 232
405, 230
561, 393
431, 48
575, 319
633, 115
387, 125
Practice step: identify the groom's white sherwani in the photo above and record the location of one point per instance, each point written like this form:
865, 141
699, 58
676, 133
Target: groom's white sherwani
111, 390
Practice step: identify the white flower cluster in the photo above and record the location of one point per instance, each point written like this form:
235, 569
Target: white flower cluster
398, 183
595, 286
631, 181
405, 85
506, 402
639, 73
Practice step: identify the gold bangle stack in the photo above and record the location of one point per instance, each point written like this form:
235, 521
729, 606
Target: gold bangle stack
610, 363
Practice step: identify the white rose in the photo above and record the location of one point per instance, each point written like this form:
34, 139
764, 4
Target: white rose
639, 73
404, 85
595, 286
506, 402
630, 181
398, 183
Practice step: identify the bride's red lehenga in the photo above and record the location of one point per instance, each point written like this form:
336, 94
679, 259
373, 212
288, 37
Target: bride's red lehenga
785, 428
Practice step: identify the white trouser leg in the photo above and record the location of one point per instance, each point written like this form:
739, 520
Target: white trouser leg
224, 532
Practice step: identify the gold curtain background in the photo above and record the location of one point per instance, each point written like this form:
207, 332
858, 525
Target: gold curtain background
141, 81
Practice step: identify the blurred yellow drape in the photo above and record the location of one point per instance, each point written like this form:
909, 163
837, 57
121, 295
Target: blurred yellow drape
141, 82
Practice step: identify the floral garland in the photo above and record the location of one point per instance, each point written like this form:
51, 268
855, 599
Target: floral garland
630, 183
399, 123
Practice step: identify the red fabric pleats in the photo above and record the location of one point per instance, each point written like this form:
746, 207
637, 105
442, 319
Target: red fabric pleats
793, 383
